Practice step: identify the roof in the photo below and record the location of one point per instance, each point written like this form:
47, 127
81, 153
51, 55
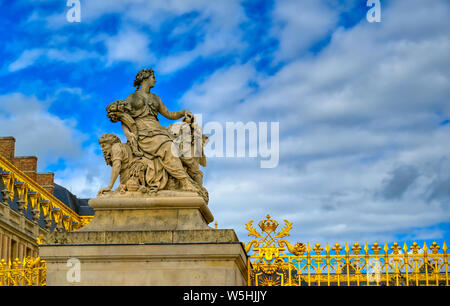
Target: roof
80, 206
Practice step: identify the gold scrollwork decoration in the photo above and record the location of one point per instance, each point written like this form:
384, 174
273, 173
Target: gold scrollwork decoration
274, 261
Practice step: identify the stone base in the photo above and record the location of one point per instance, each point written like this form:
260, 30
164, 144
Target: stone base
143, 237
162, 240
166, 211
194, 264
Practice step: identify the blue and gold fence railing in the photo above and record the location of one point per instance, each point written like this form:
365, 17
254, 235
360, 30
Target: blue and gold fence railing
29, 272
274, 261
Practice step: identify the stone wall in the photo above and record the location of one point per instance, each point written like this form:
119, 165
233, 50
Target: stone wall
17, 235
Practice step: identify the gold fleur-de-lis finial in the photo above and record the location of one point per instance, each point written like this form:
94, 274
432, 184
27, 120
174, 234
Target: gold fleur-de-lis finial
337, 248
318, 249
434, 248
356, 248
395, 248
415, 248
376, 248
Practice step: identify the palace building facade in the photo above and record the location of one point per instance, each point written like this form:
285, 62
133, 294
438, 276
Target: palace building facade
32, 205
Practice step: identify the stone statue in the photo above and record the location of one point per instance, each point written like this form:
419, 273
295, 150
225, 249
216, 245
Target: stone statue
190, 141
153, 158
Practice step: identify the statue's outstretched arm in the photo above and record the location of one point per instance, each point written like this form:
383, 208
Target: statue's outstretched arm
114, 175
168, 114
115, 172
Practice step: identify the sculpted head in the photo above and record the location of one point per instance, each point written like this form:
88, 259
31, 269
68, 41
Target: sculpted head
106, 142
145, 75
189, 118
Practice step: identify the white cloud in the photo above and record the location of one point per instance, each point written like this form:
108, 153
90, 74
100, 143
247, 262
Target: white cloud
37, 131
217, 24
85, 176
51, 139
301, 24
30, 57
128, 45
27, 58
222, 91
369, 102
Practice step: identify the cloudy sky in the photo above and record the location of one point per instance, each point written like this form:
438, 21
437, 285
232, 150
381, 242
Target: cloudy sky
363, 107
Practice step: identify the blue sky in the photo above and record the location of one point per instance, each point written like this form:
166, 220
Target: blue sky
363, 107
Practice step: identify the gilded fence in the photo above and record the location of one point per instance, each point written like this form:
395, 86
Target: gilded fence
29, 272
30, 195
274, 261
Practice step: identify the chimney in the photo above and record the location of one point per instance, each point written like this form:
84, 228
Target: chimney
46, 180
27, 164
7, 147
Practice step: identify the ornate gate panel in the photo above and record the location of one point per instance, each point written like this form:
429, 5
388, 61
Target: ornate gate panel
274, 261
30, 272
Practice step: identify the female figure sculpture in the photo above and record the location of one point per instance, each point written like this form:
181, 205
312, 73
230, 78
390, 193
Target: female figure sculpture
150, 142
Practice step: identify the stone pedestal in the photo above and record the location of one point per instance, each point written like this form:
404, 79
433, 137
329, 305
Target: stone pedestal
135, 240
167, 211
